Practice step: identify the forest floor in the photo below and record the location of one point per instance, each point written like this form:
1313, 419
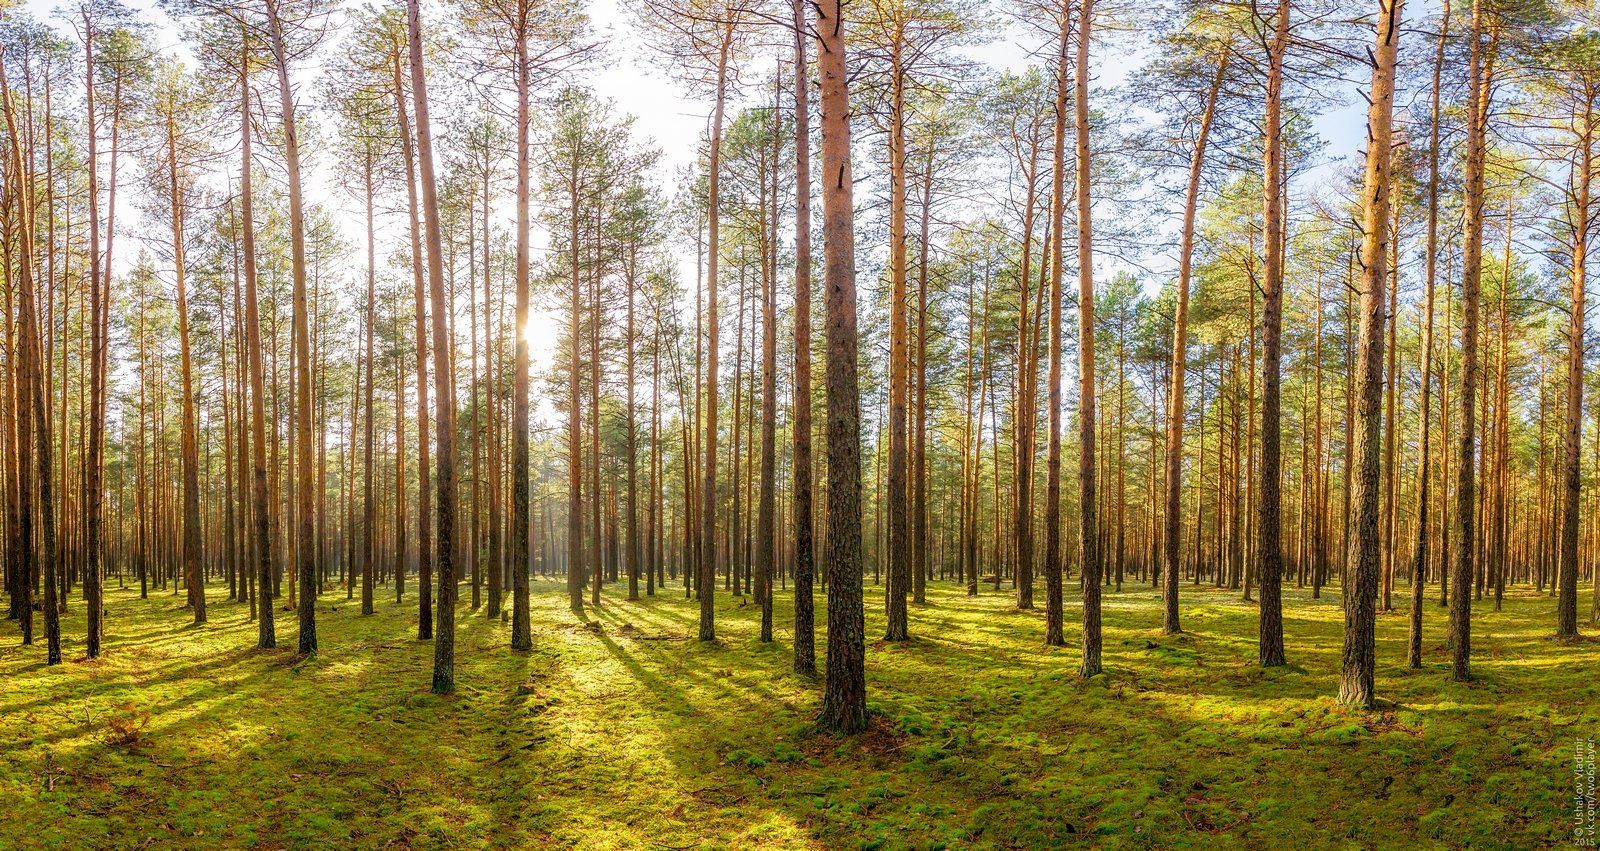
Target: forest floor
621, 731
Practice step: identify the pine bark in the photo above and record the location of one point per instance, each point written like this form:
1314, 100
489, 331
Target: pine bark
1359, 659
844, 699
1478, 74
1172, 515
1420, 552
1268, 542
1572, 433
1089, 543
305, 492
804, 554
899, 542
424, 522
1053, 635
444, 645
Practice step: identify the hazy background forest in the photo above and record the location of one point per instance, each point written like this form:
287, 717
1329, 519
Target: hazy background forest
710, 423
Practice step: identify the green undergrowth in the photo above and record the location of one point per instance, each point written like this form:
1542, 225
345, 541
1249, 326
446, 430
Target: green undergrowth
619, 730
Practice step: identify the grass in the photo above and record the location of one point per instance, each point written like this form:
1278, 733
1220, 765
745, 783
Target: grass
621, 731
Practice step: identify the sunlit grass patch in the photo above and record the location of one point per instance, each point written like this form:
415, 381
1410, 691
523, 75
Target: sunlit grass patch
620, 730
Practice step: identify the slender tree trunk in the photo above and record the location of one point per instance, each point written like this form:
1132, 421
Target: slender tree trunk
1172, 536
708, 493
1572, 433
305, 491
1268, 542
575, 562
1471, 277
369, 511
1419, 557
1052, 490
1089, 544
895, 500
32, 412
804, 555
631, 550
424, 523
99, 296
261, 501
444, 645
190, 446
494, 367
766, 560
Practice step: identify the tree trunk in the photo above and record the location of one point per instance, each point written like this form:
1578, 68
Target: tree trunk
708, 486
844, 700
261, 501
804, 555
444, 646
99, 296
425, 530
32, 412
1268, 542
1172, 536
899, 574
1572, 433
1089, 544
369, 513
1478, 90
1052, 489
305, 490
1356, 678
1419, 556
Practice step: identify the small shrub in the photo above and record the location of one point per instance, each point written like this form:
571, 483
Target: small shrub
125, 727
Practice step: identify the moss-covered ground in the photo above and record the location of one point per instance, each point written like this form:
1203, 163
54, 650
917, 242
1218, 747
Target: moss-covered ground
620, 731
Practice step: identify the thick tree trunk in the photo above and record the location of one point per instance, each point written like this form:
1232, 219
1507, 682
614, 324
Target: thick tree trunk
844, 699
1356, 679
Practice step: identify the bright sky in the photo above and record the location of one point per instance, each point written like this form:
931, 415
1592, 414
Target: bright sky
642, 88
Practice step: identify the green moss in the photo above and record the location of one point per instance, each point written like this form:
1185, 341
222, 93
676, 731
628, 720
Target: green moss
624, 732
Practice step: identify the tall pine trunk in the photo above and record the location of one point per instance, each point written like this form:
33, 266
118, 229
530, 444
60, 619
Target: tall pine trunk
261, 499
1478, 75
1572, 433
444, 645
844, 698
1419, 556
1172, 515
305, 490
804, 554
1268, 542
